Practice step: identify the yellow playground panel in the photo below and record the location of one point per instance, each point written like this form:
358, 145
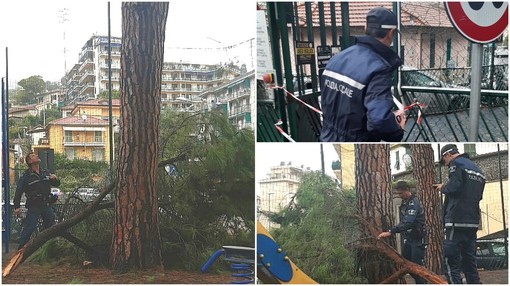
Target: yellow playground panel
273, 265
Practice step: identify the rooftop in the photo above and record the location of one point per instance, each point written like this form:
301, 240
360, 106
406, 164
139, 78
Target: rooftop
413, 13
79, 120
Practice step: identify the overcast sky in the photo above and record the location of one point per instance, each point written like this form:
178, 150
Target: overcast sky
268, 155
36, 33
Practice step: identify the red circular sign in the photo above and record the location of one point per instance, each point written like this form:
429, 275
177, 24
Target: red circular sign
480, 22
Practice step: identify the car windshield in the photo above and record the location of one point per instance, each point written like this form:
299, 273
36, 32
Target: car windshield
499, 249
415, 78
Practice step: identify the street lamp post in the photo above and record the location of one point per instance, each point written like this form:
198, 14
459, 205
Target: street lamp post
269, 207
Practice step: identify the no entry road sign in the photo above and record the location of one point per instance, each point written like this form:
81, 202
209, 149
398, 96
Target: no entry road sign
479, 22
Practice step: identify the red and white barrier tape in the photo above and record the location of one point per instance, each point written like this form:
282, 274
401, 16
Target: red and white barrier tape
395, 100
406, 108
277, 125
296, 98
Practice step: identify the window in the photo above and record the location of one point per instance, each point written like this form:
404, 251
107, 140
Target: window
397, 159
70, 153
98, 154
98, 136
470, 149
68, 136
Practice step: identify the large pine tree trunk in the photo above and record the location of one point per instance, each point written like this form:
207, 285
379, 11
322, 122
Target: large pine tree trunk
424, 175
136, 242
375, 205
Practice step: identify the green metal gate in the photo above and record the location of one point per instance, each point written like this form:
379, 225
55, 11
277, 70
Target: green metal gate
297, 27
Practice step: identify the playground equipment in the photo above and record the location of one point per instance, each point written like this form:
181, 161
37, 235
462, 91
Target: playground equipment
242, 261
273, 265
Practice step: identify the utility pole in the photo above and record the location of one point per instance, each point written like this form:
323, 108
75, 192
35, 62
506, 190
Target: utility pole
110, 119
322, 160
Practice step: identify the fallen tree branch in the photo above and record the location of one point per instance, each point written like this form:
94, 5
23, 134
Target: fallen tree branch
395, 276
78, 242
408, 266
59, 229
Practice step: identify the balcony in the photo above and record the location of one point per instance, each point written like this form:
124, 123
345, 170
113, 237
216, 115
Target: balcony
88, 76
114, 66
87, 87
76, 142
239, 111
89, 64
43, 141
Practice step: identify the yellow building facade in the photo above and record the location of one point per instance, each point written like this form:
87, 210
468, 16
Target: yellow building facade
491, 208
80, 137
347, 167
97, 108
85, 133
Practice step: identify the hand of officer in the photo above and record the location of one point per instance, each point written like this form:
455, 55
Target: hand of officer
437, 187
400, 117
17, 212
384, 234
53, 177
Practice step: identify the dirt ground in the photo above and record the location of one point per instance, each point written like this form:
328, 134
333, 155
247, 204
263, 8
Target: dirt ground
36, 274
486, 277
30, 273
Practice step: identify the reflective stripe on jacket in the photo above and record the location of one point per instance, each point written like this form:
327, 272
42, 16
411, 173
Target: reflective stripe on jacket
356, 97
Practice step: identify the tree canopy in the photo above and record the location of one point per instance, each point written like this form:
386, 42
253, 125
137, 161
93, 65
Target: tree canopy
316, 229
31, 87
105, 94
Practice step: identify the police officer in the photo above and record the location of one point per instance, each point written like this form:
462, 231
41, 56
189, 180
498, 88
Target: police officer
411, 226
356, 97
461, 214
36, 183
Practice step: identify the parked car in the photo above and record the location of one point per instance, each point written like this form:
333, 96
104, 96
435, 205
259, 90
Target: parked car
433, 102
58, 193
88, 194
490, 254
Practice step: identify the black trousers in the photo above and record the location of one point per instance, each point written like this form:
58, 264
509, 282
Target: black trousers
459, 248
414, 250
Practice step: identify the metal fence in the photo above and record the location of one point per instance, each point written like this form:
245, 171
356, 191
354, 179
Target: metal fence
63, 211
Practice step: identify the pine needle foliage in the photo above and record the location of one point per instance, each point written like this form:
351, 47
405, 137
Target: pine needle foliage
210, 201
316, 229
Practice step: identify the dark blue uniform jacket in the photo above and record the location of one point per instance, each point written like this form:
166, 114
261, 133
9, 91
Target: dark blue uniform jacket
356, 98
463, 193
412, 219
37, 188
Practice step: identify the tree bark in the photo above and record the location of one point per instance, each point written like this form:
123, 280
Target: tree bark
375, 205
424, 174
59, 229
136, 242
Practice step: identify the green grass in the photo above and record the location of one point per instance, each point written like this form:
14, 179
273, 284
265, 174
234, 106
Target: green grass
75, 280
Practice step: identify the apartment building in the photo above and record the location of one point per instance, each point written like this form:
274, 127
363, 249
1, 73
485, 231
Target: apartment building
236, 97
181, 82
50, 97
277, 190
89, 77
